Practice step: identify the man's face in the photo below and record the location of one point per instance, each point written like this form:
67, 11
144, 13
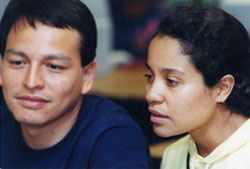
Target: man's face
42, 76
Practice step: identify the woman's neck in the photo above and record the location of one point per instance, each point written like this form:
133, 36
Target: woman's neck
211, 135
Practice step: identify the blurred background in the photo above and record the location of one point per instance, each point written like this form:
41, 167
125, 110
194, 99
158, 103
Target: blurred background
124, 30
126, 26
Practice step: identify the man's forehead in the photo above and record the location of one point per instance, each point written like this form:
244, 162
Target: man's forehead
24, 23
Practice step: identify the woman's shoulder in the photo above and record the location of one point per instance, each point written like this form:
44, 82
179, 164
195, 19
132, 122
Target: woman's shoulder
179, 144
176, 154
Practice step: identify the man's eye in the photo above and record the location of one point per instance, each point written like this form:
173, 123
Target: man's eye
16, 63
55, 67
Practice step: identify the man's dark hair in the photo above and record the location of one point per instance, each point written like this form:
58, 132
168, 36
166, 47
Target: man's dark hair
217, 44
55, 13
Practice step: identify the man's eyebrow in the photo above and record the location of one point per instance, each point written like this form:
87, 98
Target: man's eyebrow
57, 57
47, 57
16, 52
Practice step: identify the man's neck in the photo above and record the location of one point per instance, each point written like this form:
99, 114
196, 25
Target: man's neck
47, 135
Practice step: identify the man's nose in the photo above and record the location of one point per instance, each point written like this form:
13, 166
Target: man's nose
34, 77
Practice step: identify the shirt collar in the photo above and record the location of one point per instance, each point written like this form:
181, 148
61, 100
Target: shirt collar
239, 138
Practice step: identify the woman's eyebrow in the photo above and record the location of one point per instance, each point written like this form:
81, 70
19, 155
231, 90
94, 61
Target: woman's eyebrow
172, 70
147, 66
166, 70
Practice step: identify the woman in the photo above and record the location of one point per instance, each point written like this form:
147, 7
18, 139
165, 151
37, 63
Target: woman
198, 82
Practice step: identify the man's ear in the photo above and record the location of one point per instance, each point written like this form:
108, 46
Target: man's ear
1, 69
89, 72
225, 87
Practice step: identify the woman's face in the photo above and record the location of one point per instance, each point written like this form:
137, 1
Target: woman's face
178, 98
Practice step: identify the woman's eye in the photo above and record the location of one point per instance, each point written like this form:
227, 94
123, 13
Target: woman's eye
172, 82
148, 77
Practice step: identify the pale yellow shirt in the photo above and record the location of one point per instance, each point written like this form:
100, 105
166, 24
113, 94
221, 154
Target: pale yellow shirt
233, 153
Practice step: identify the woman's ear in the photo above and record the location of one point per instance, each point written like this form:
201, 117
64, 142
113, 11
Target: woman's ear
89, 72
225, 87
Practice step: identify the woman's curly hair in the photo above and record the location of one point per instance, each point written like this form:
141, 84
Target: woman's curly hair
217, 44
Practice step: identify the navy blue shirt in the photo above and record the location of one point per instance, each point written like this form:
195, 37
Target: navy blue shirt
103, 137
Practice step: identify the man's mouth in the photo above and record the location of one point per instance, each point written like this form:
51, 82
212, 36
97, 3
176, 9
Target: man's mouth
32, 102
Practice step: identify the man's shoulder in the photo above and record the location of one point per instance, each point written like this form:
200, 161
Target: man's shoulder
114, 135
105, 110
100, 102
100, 114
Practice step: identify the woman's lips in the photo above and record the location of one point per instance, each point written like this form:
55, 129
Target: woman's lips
157, 117
32, 102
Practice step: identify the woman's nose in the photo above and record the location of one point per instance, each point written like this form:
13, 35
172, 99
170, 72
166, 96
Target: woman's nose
154, 93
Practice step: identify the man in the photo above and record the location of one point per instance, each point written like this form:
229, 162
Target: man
48, 49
